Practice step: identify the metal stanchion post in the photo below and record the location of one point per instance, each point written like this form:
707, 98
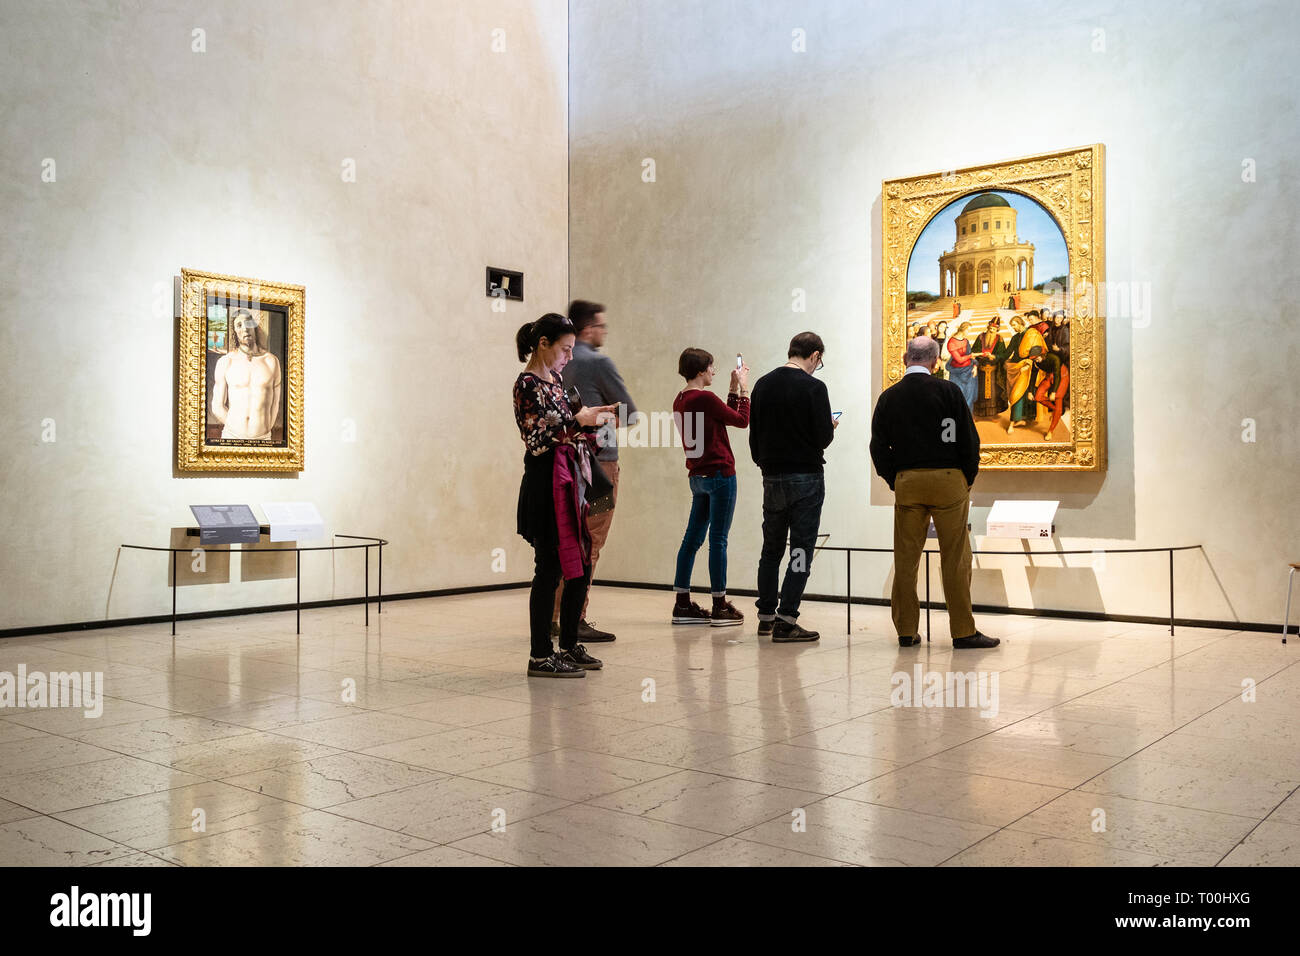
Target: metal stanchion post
926, 555
1171, 591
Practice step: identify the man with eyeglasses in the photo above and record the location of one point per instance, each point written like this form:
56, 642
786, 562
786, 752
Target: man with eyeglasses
596, 377
790, 425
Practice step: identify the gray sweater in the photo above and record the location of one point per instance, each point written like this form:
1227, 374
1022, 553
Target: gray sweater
599, 383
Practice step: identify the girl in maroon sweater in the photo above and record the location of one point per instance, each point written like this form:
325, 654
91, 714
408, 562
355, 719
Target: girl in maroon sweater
702, 419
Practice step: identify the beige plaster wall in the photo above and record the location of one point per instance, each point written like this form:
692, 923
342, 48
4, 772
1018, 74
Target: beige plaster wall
230, 161
768, 165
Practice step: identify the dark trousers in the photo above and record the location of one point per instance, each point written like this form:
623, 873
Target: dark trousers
792, 506
546, 578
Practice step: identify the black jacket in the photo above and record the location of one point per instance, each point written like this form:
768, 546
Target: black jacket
923, 422
790, 422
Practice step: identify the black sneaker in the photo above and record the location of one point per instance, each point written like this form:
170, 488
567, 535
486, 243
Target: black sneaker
765, 628
553, 666
579, 658
726, 615
783, 632
692, 614
588, 633
975, 640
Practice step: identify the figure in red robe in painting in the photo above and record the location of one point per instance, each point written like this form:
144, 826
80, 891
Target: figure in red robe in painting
1053, 382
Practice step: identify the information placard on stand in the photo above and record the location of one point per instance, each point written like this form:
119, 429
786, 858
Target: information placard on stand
226, 524
1022, 519
294, 521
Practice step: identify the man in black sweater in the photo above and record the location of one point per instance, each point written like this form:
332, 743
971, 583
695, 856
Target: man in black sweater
924, 444
790, 425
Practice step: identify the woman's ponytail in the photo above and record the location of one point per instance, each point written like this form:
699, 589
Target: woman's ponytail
550, 327
524, 341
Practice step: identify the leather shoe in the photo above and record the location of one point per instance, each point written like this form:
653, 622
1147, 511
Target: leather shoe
909, 641
589, 634
975, 640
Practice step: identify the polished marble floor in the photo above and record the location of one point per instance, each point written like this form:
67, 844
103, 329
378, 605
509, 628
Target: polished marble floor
420, 742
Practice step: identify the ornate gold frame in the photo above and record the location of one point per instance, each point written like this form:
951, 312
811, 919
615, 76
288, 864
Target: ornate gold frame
1070, 185
192, 451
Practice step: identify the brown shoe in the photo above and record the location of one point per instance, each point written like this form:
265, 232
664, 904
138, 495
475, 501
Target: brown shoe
977, 640
588, 633
726, 615
786, 632
694, 614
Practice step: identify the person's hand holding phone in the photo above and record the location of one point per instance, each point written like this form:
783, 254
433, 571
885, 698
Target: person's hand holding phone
739, 376
596, 415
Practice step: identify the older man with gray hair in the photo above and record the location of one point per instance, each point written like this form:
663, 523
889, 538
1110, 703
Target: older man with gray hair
924, 444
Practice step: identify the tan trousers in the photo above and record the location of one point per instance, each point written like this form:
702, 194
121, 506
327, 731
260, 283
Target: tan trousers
920, 493
598, 527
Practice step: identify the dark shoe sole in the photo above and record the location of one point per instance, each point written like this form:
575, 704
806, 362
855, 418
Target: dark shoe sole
909, 641
789, 639
533, 673
596, 640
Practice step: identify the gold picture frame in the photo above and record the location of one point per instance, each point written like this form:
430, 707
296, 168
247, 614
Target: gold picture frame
239, 362
1064, 421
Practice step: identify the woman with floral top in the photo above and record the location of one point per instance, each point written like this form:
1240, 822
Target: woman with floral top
552, 513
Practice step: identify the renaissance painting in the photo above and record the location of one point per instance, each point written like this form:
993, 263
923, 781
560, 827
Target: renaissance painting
1000, 265
1003, 334
240, 375
244, 381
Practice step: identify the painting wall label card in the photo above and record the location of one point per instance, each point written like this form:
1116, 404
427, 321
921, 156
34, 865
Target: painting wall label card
294, 520
1022, 519
226, 524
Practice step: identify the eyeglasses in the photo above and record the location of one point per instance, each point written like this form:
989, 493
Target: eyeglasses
820, 365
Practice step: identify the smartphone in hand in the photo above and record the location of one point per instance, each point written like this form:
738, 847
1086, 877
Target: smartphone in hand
836, 415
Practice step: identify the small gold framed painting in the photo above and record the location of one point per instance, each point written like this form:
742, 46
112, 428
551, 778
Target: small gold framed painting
239, 400
1004, 266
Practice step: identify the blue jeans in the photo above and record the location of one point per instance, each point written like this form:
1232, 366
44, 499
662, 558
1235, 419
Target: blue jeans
792, 505
713, 501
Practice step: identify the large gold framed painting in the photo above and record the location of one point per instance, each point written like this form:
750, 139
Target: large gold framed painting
239, 402
1002, 265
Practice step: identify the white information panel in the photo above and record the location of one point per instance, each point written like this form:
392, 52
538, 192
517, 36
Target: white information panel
294, 521
1022, 519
